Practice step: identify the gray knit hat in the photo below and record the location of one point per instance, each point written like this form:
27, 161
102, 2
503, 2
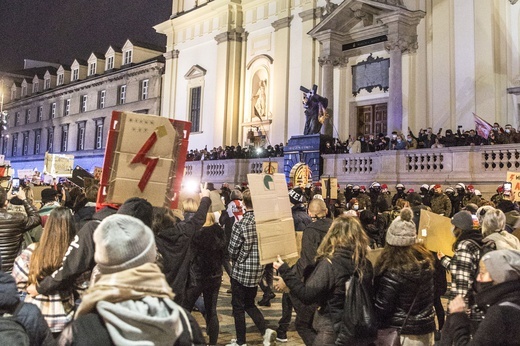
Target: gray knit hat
402, 230
503, 265
463, 220
123, 242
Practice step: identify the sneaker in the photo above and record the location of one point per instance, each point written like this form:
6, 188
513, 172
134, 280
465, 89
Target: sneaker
269, 337
281, 336
234, 343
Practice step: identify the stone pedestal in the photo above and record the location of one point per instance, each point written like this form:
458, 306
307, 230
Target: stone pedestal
305, 149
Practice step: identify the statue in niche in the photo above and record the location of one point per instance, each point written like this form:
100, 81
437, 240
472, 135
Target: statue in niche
315, 110
328, 8
260, 99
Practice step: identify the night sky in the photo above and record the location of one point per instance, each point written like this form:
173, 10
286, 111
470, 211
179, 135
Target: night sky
62, 30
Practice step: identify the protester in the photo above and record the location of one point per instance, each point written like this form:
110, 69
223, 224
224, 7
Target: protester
404, 284
494, 233
12, 227
341, 254
131, 303
498, 296
245, 276
42, 259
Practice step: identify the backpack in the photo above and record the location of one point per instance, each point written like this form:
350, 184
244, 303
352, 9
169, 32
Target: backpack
359, 319
13, 332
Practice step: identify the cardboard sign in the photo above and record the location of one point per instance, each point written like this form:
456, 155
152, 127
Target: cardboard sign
58, 165
435, 232
274, 222
269, 167
333, 182
25, 173
514, 179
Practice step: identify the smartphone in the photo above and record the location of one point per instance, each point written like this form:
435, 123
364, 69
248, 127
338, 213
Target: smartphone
508, 186
15, 186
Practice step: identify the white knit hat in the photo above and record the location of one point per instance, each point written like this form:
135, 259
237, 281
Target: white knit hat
123, 242
402, 230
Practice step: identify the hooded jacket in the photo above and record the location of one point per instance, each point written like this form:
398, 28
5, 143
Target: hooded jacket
29, 315
313, 234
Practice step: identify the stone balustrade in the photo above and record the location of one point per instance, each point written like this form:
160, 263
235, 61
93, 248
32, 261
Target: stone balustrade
484, 166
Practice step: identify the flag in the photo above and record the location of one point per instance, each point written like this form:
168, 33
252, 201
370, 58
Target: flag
482, 127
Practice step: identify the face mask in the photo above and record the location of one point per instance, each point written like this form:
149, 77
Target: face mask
482, 286
355, 207
495, 128
409, 139
508, 130
394, 136
398, 141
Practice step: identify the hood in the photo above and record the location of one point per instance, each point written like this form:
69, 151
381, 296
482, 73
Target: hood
104, 212
8, 292
513, 219
321, 225
503, 240
148, 321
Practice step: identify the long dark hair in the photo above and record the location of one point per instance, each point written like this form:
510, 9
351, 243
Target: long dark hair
57, 235
402, 259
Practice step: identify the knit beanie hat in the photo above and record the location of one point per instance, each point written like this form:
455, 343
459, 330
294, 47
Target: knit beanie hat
296, 196
123, 242
463, 220
503, 265
402, 230
139, 208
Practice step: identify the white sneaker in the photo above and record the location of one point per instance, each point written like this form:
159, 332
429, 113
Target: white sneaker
269, 337
234, 343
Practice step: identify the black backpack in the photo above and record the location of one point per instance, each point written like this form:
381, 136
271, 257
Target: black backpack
13, 332
359, 318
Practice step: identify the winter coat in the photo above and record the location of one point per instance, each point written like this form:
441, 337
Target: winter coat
173, 244
500, 325
209, 247
84, 214
441, 204
78, 259
12, 227
313, 234
326, 284
503, 241
300, 217
29, 315
396, 290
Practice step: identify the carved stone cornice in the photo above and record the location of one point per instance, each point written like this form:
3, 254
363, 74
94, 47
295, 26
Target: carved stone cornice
233, 35
404, 44
335, 61
313, 13
172, 54
282, 23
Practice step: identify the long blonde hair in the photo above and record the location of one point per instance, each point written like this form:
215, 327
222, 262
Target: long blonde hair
345, 232
48, 256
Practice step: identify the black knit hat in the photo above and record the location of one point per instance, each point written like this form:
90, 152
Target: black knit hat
139, 208
296, 196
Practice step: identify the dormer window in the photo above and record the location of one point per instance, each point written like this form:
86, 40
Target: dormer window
75, 74
61, 79
24, 90
110, 63
128, 57
13, 93
36, 87
47, 84
92, 69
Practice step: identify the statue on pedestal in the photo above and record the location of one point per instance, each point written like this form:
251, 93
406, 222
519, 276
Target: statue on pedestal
315, 110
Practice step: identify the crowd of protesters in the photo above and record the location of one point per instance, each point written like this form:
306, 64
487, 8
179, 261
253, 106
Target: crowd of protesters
132, 274
425, 138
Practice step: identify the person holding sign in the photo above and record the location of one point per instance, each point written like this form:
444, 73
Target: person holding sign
341, 254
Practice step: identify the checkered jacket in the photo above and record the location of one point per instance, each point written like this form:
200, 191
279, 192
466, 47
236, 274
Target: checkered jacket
243, 249
463, 267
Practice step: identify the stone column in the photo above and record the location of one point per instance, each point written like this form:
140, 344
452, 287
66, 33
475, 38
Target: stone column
170, 88
395, 90
327, 64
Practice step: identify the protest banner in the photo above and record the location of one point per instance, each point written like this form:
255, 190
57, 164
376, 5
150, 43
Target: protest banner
274, 222
329, 188
514, 179
144, 157
435, 232
58, 165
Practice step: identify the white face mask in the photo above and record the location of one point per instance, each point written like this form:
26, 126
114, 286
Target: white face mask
508, 130
355, 207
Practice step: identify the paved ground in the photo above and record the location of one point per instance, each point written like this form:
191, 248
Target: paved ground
227, 324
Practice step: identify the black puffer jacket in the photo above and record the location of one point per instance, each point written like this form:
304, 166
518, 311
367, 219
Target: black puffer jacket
395, 293
29, 315
326, 284
12, 227
312, 236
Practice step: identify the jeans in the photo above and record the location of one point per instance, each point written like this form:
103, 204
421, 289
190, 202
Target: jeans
209, 289
287, 307
267, 275
242, 301
304, 319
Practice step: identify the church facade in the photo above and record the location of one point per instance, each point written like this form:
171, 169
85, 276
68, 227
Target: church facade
234, 67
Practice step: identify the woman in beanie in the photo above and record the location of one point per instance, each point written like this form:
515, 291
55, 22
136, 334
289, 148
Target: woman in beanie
341, 254
404, 283
498, 296
494, 233
131, 302
41, 259
464, 263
